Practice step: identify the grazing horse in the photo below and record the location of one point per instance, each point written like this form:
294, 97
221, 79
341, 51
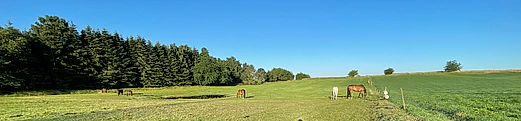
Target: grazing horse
386, 94
241, 93
334, 93
129, 92
357, 88
104, 90
119, 91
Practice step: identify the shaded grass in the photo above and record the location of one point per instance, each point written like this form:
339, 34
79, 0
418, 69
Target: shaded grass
46, 92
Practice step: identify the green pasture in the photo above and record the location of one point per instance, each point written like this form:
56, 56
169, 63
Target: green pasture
457, 96
290, 100
493, 96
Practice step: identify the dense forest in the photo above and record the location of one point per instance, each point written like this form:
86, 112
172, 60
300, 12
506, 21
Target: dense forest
52, 54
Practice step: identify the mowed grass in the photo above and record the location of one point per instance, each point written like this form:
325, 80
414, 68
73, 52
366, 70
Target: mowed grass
457, 96
290, 100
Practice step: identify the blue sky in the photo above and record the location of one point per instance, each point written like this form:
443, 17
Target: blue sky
321, 38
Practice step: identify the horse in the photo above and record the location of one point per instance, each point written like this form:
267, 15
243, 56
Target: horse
104, 90
241, 93
334, 93
357, 88
129, 92
386, 94
119, 91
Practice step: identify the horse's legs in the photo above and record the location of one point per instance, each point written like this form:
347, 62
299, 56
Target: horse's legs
349, 94
332, 94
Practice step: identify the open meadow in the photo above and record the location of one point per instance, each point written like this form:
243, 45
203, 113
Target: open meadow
454, 96
457, 96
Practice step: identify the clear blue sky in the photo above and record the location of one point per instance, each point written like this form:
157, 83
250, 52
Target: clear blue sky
321, 38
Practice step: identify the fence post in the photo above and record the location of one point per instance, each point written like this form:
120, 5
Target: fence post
403, 100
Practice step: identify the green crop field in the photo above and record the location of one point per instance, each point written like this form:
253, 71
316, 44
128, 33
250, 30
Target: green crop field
479, 96
492, 96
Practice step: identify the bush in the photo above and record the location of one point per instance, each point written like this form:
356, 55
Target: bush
388, 71
452, 66
279, 74
301, 75
353, 73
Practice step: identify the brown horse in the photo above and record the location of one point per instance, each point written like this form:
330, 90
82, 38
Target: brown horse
241, 93
104, 90
357, 88
119, 91
129, 92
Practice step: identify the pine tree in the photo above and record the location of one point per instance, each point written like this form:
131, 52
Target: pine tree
14, 58
134, 61
204, 69
235, 69
164, 65
79, 60
174, 66
187, 59
51, 36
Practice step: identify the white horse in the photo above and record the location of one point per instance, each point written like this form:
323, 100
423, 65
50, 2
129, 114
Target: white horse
386, 94
335, 93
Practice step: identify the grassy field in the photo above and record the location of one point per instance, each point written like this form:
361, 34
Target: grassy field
457, 96
290, 100
492, 96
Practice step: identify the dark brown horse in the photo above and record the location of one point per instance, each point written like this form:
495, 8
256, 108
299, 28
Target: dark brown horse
129, 92
119, 91
357, 88
104, 90
241, 93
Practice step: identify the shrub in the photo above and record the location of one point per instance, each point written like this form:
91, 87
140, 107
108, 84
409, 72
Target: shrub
353, 73
301, 75
452, 65
388, 71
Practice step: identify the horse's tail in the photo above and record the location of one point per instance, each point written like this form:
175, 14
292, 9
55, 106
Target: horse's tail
244, 93
347, 91
237, 95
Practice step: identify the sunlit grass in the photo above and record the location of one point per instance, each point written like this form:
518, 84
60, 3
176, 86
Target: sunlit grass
480, 96
290, 100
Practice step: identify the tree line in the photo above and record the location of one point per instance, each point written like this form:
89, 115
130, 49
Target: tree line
52, 54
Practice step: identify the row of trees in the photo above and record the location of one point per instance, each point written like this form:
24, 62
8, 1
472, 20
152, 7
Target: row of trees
450, 66
52, 54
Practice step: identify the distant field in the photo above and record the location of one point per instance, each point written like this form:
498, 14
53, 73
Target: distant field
453, 96
457, 96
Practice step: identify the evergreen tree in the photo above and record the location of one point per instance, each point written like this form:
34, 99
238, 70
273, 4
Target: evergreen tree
235, 69
174, 66
53, 55
204, 70
51, 36
14, 57
187, 59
